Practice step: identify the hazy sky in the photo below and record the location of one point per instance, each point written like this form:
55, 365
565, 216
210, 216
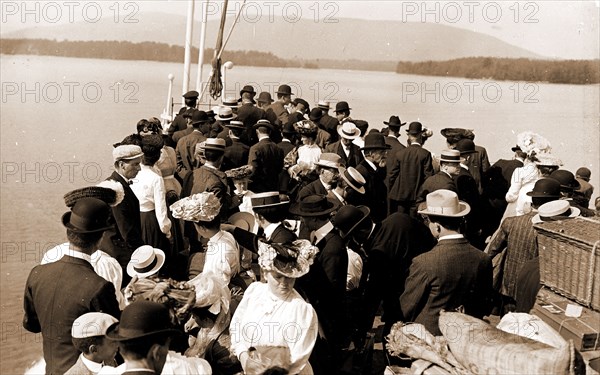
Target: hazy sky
556, 29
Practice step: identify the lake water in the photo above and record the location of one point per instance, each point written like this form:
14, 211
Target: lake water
60, 117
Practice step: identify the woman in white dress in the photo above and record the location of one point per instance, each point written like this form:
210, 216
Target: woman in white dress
273, 326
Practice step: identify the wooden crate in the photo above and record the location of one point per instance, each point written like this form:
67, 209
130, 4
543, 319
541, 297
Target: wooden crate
570, 259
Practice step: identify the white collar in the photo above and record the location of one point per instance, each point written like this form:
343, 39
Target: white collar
91, 365
78, 254
285, 140
263, 137
269, 229
320, 233
451, 237
415, 143
371, 164
339, 197
464, 166
327, 186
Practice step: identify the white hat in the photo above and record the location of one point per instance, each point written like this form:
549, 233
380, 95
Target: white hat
445, 203
555, 210
145, 261
330, 160
92, 324
348, 130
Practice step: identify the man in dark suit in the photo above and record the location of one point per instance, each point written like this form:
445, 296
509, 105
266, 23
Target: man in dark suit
323, 137
328, 168
125, 233
389, 247
325, 283
249, 114
444, 179
327, 122
144, 334
179, 122
478, 164
58, 293
265, 159
187, 145
452, 274
236, 154
187, 115
393, 140
349, 152
284, 98
342, 112
410, 168
372, 168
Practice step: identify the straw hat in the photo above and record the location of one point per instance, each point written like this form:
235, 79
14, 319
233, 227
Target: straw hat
348, 130
354, 179
445, 203
145, 261
555, 210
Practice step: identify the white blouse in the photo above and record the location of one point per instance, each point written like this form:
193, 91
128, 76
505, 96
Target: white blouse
263, 319
149, 188
222, 256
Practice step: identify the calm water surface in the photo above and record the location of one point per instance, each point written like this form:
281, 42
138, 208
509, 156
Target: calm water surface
60, 117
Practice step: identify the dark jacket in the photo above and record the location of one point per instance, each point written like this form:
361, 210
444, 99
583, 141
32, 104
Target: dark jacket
236, 155
354, 157
185, 153
375, 196
438, 181
266, 159
410, 168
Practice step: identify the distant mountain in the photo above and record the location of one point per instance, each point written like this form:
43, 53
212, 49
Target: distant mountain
348, 39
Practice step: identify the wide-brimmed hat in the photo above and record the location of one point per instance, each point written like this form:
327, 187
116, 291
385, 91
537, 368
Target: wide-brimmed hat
127, 152
375, 141
584, 173
92, 324
263, 123
268, 199
415, 128
215, 144
109, 191
555, 210
545, 188
264, 97
450, 156
394, 122
329, 160
291, 260
242, 220
354, 179
248, 89
235, 124
314, 205
88, 215
145, 261
204, 206
191, 94
547, 159
141, 319
349, 217
342, 107
348, 130
324, 105
456, 134
284, 90
465, 146
225, 114
445, 203
306, 127
315, 114
567, 179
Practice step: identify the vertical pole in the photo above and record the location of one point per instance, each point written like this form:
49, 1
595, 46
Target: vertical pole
188, 47
202, 44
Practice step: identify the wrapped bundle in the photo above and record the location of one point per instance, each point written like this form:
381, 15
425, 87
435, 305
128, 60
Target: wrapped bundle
179, 296
483, 349
241, 173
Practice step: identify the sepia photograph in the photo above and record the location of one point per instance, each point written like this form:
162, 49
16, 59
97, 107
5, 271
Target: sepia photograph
300, 187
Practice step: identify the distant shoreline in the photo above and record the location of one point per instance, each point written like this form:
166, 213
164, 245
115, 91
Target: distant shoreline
579, 72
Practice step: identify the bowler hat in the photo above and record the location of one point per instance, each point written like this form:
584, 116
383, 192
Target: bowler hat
450, 156
375, 141
348, 130
555, 210
584, 173
516, 148
394, 122
216, 144
349, 217
314, 205
284, 90
445, 203
342, 107
288, 128
248, 89
145, 261
199, 117
268, 199
191, 94
315, 114
264, 123
465, 146
141, 319
415, 128
354, 179
545, 188
265, 97
88, 215
566, 179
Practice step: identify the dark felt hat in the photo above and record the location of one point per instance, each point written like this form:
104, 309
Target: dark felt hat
415, 128
394, 122
465, 146
88, 215
349, 217
199, 117
264, 97
567, 179
303, 102
248, 89
264, 123
375, 141
141, 319
546, 188
342, 106
314, 205
285, 90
